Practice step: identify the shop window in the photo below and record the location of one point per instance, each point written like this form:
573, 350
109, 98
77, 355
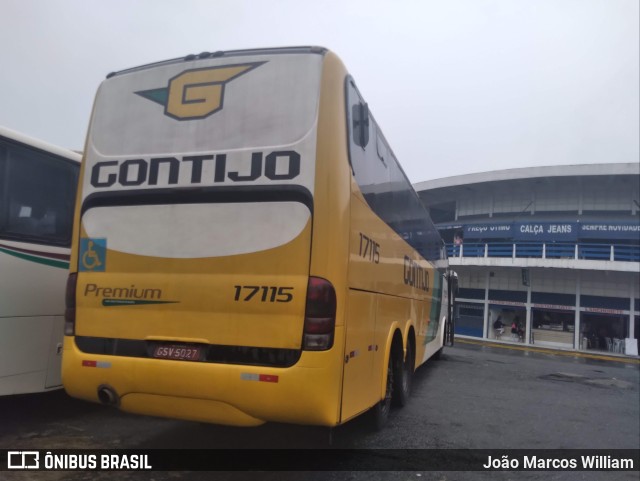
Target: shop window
513, 320
553, 327
604, 332
469, 319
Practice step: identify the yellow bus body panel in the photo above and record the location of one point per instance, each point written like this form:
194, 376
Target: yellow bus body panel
306, 393
197, 298
383, 304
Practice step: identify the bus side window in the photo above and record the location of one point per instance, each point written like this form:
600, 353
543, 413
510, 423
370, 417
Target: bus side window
383, 152
360, 116
39, 198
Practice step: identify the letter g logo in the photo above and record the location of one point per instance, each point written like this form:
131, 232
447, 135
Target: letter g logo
197, 93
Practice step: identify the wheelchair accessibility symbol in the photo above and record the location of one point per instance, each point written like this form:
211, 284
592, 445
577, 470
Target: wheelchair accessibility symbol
93, 255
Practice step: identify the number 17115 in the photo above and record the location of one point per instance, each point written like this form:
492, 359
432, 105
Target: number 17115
263, 293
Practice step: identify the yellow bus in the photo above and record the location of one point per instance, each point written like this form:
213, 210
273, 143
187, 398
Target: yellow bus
247, 247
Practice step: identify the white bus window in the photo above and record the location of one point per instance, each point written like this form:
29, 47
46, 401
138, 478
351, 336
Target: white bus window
36, 211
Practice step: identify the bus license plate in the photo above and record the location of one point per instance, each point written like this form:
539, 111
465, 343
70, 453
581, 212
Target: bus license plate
177, 353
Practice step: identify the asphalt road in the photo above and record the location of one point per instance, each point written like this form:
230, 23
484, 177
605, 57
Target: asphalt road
474, 397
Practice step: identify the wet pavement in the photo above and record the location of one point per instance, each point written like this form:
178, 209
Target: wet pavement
476, 397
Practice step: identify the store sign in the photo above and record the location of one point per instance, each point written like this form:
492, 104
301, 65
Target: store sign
553, 231
506, 303
601, 310
488, 231
471, 306
545, 231
557, 307
610, 230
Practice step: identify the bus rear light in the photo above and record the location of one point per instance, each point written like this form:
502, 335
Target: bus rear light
320, 315
319, 325
70, 305
317, 342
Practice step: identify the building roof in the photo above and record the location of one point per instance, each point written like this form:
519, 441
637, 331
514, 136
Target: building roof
631, 168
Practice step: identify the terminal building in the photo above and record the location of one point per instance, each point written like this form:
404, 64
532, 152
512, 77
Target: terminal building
545, 256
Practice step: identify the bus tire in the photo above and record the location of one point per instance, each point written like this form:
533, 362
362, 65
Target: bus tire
403, 377
452, 330
379, 414
448, 333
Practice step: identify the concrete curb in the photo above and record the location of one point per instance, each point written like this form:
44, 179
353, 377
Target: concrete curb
545, 350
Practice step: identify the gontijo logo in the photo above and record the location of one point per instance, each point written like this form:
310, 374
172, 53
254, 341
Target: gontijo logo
197, 93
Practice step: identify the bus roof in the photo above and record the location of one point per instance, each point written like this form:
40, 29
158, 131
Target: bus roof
227, 53
39, 144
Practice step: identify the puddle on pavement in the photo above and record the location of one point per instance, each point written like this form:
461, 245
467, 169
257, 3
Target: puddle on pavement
597, 382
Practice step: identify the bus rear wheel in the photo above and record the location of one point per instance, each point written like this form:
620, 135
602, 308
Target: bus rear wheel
403, 377
379, 414
448, 332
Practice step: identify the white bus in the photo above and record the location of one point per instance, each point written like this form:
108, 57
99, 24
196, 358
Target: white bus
37, 195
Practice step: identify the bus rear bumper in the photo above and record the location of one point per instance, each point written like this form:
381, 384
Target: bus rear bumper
203, 410
237, 395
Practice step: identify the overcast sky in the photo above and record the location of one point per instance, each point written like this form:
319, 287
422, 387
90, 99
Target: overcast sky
457, 86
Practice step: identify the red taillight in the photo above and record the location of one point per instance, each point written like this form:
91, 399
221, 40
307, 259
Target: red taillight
320, 315
70, 305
